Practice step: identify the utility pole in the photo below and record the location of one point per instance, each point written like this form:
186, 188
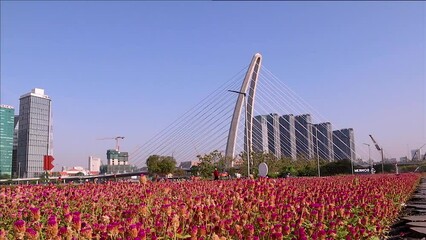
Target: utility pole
369, 157
381, 151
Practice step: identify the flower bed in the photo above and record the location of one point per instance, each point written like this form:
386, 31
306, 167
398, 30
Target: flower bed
351, 207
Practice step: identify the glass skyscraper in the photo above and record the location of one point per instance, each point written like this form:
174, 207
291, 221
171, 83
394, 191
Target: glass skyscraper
7, 114
266, 134
323, 140
260, 134
34, 132
304, 137
344, 144
288, 136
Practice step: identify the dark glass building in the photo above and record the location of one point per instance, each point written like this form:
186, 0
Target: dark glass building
304, 138
344, 144
288, 136
34, 132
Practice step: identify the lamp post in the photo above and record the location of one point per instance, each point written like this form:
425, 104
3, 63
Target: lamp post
246, 127
369, 157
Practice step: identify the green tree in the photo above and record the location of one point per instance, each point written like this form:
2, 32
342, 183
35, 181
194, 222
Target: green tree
274, 164
103, 169
167, 165
160, 164
209, 162
336, 167
4, 176
152, 164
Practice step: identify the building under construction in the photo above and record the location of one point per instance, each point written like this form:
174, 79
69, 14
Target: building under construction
118, 162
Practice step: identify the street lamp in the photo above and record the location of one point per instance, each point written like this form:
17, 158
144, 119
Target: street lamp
246, 127
369, 157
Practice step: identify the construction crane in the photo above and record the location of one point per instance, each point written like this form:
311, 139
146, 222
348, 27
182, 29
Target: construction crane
117, 145
378, 149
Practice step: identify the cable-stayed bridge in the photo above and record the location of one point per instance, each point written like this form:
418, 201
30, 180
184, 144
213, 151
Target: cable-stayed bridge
253, 111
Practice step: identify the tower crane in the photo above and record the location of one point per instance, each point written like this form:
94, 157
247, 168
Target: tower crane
378, 149
117, 145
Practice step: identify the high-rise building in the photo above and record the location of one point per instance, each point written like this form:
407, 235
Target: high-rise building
344, 144
323, 140
15, 147
34, 132
273, 126
416, 154
260, 134
304, 138
94, 164
266, 134
118, 162
6, 140
288, 136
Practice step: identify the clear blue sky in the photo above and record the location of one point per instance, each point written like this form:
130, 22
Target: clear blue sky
130, 68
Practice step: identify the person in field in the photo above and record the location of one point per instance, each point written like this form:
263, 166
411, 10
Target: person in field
216, 174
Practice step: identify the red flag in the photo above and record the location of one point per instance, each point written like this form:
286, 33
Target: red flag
47, 162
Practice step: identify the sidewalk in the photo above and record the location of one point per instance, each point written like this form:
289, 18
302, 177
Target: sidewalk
412, 223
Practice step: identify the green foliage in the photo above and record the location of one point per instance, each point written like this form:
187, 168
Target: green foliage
160, 164
337, 167
209, 162
103, 169
388, 167
274, 164
4, 176
179, 172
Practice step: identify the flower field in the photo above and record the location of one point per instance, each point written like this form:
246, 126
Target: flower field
343, 207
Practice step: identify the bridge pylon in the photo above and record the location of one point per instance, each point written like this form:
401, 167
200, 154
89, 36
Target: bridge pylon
249, 88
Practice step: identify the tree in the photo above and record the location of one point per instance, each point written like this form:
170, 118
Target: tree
209, 162
337, 167
256, 158
160, 164
152, 164
4, 176
167, 165
103, 169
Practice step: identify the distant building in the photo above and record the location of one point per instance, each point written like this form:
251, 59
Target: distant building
403, 159
288, 136
266, 134
260, 134
304, 138
6, 139
94, 164
117, 158
118, 162
273, 126
74, 171
34, 132
390, 160
188, 165
323, 139
344, 144
416, 154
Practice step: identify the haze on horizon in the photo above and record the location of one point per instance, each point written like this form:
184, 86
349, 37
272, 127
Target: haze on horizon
131, 68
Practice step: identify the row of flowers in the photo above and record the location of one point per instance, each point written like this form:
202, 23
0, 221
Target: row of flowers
351, 207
